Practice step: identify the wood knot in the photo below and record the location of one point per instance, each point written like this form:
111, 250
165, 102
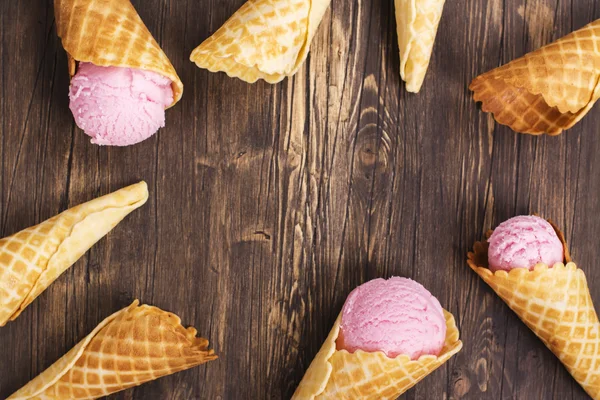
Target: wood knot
374, 154
481, 371
461, 386
368, 155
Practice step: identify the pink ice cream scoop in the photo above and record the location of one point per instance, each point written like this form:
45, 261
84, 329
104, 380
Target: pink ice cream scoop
523, 242
395, 316
119, 106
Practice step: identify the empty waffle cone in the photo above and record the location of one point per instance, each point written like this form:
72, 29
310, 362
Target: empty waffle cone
264, 39
133, 346
417, 24
111, 33
555, 303
548, 90
338, 374
35, 257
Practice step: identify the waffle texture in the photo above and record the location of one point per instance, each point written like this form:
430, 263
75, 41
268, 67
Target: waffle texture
338, 374
548, 90
35, 257
555, 303
264, 39
111, 33
417, 23
133, 346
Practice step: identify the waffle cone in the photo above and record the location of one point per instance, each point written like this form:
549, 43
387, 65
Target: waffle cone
548, 90
35, 257
264, 39
111, 33
555, 303
133, 346
338, 374
417, 24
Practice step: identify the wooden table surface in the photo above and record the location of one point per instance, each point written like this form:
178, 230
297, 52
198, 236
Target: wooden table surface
269, 204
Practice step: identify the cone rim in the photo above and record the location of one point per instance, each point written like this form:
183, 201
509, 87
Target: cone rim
176, 83
452, 333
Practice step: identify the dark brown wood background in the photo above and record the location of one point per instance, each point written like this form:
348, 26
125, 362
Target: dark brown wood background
269, 204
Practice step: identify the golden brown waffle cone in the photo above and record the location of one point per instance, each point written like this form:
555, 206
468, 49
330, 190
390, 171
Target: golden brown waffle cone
111, 33
548, 90
338, 374
35, 257
133, 346
265, 39
417, 24
555, 304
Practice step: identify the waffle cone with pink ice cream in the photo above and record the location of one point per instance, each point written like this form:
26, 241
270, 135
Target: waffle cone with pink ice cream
527, 263
122, 81
390, 335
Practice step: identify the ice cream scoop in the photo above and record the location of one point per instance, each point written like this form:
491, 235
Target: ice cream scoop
119, 106
523, 242
395, 316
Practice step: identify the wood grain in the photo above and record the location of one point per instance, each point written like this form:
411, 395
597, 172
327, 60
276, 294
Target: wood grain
269, 204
